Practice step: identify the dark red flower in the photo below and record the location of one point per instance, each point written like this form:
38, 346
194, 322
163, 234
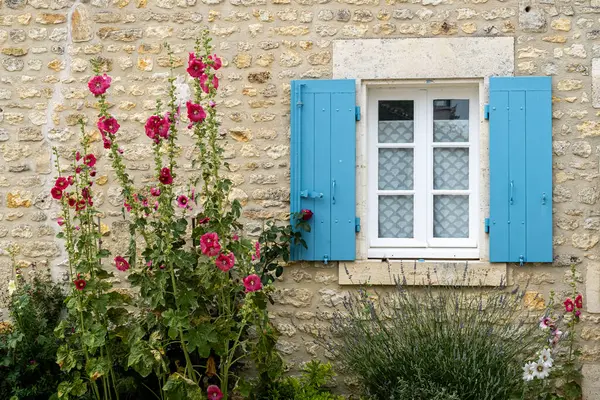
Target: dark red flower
203, 221
165, 176
569, 306
98, 85
306, 214
195, 112
56, 193
121, 263
89, 160
106, 143
72, 201
62, 183
579, 301
80, 283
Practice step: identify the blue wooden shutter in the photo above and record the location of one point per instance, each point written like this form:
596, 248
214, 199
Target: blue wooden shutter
520, 114
323, 156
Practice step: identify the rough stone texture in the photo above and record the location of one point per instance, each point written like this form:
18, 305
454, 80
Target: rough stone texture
46, 45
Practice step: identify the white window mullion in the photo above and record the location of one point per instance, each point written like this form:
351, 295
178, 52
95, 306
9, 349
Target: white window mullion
420, 198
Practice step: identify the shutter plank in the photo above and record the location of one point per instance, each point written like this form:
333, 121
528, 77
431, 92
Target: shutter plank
322, 173
516, 175
307, 170
539, 174
499, 182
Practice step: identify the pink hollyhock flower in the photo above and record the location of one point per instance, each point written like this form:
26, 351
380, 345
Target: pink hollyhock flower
89, 160
579, 301
212, 104
545, 323
569, 306
106, 143
203, 221
204, 85
165, 176
225, 262
155, 191
182, 201
121, 263
108, 125
80, 284
256, 255
306, 214
214, 393
577, 314
78, 156
195, 66
71, 179
62, 183
252, 283
149, 263
209, 244
151, 126
60, 221
217, 63
56, 193
98, 85
162, 266
127, 206
78, 170
195, 112
235, 237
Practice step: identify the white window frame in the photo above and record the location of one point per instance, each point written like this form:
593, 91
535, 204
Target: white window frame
423, 245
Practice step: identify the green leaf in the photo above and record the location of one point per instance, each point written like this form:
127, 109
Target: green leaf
178, 387
141, 358
103, 253
94, 337
200, 338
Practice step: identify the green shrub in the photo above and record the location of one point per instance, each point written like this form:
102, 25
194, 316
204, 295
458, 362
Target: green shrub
28, 368
435, 342
309, 386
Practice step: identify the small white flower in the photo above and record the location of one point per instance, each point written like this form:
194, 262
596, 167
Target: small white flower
529, 371
546, 357
545, 323
541, 370
12, 286
182, 91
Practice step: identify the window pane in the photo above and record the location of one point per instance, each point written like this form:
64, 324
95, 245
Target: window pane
396, 169
450, 216
451, 120
396, 121
450, 169
396, 216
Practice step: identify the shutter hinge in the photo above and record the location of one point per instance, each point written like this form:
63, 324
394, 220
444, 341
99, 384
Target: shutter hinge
486, 225
357, 224
521, 260
486, 111
357, 112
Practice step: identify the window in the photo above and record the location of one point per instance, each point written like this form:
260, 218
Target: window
423, 169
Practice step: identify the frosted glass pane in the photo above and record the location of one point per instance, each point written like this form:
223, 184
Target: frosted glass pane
451, 131
450, 169
396, 169
396, 131
450, 216
396, 216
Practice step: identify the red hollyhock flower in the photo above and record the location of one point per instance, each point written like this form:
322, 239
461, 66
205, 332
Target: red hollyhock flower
204, 85
203, 221
62, 183
195, 112
306, 214
165, 176
89, 160
252, 283
155, 191
209, 244
56, 193
214, 393
80, 284
78, 156
121, 263
72, 201
217, 63
195, 66
108, 125
80, 205
151, 126
106, 143
579, 301
98, 85
164, 126
569, 306
225, 261
256, 255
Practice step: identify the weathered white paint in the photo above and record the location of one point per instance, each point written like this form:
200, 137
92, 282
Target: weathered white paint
426, 58
596, 82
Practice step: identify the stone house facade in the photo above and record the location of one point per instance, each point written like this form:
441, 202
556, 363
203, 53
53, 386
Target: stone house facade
414, 62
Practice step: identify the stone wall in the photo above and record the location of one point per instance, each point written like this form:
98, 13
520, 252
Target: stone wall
45, 50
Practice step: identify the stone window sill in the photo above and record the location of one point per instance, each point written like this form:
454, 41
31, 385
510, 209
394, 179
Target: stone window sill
382, 272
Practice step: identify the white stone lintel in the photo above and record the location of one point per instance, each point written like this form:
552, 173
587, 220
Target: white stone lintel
423, 58
417, 273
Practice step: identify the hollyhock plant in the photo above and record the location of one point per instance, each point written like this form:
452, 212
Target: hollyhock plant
252, 283
225, 261
204, 83
209, 244
98, 85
